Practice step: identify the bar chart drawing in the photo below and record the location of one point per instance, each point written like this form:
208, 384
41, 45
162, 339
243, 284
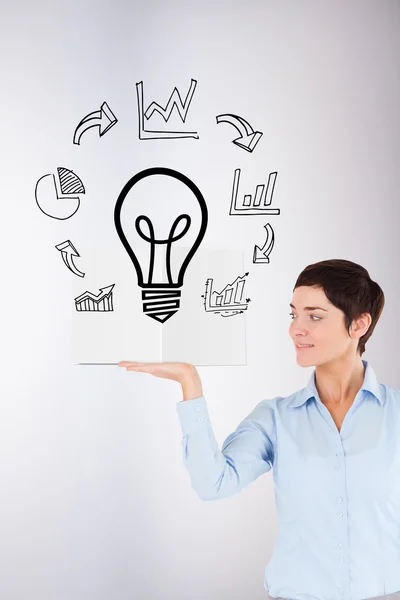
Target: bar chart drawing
103, 302
227, 302
260, 205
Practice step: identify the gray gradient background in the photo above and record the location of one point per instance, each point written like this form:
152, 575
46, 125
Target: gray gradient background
95, 501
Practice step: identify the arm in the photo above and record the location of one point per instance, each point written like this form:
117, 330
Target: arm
245, 454
191, 384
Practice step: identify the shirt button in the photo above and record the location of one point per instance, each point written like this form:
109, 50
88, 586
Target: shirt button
339, 500
198, 408
341, 559
200, 420
340, 514
341, 591
339, 545
337, 467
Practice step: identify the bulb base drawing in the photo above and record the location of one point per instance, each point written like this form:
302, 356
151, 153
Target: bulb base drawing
161, 304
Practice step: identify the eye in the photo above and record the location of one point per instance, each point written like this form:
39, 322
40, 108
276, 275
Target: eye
314, 317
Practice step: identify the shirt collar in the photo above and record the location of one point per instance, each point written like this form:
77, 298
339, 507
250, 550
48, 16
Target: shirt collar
370, 384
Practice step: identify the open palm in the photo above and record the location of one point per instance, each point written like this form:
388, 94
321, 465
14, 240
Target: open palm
168, 370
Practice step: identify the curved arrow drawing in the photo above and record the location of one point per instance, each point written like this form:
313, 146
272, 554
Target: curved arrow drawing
104, 119
260, 255
248, 137
68, 251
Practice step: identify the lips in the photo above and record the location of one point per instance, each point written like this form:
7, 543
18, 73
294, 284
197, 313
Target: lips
304, 347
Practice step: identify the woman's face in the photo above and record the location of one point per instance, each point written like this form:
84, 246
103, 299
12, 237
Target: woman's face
316, 321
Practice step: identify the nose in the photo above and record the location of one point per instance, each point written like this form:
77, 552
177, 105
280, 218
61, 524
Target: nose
296, 330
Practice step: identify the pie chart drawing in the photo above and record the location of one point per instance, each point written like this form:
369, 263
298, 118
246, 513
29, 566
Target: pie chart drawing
57, 196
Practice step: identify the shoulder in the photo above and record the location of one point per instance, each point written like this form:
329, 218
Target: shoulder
279, 402
389, 392
267, 412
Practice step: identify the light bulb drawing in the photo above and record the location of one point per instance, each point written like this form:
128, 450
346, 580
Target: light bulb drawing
161, 299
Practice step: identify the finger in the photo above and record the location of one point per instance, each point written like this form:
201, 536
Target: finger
126, 363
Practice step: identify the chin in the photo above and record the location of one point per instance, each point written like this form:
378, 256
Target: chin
304, 361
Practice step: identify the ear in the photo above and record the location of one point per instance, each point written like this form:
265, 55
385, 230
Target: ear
360, 326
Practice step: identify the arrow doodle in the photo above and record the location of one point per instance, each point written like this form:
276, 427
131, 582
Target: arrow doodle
248, 137
68, 251
260, 255
104, 119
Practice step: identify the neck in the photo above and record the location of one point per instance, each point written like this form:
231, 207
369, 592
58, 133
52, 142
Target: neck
339, 381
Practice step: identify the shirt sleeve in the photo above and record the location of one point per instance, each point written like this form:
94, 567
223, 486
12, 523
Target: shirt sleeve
245, 454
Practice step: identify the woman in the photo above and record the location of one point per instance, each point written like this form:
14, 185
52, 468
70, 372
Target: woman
334, 447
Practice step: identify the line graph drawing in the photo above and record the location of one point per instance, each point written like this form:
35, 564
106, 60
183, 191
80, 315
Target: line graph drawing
89, 302
260, 205
249, 138
104, 119
229, 301
68, 251
261, 255
58, 197
174, 102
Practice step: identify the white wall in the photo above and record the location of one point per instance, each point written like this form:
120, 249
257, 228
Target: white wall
95, 501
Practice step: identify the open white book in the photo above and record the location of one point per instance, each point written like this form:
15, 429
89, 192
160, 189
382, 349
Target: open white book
208, 328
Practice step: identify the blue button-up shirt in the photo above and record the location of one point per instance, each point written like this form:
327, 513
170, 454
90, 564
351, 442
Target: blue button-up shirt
337, 493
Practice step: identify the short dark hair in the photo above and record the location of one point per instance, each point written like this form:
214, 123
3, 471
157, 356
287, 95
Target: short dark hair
349, 287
